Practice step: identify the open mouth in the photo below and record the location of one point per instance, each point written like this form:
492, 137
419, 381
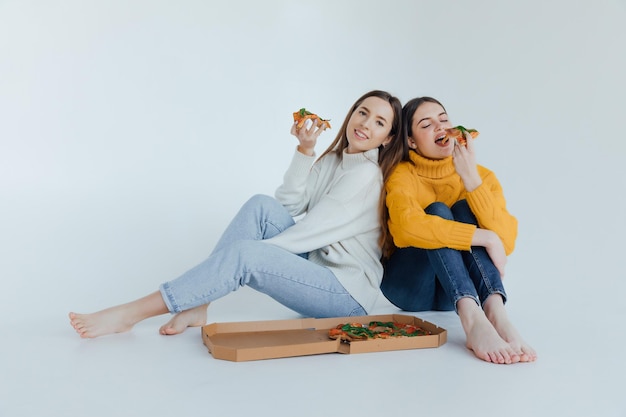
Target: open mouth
442, 141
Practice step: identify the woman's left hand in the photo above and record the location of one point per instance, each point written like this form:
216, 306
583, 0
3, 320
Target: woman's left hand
465, 163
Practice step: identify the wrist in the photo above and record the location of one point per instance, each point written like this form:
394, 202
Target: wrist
483, 237
306, 151
472, 183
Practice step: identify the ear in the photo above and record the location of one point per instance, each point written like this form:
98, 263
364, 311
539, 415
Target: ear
412, 143
387, 141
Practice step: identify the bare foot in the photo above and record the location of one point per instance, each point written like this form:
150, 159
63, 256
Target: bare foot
195, 317
482, 337
118, 319
111, 320
510, 334
497, 315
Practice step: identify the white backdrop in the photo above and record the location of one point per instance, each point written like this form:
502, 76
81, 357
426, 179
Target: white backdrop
131, 131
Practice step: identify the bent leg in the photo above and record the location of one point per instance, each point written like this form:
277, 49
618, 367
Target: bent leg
295, 282
261, 217
410, 283
492, 295
448, 264
482, 271
454, 275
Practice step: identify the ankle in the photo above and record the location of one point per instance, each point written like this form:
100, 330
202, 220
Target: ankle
469, 312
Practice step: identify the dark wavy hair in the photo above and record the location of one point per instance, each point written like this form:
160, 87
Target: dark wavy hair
408, 111
398, 154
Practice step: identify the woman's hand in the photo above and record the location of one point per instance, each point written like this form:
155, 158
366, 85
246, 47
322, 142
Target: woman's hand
307, 136
464, 160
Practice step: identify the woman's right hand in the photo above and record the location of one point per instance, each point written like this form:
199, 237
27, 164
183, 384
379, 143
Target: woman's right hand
307, 136
464, 159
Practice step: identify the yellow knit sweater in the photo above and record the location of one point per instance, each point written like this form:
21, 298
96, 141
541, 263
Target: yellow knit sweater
413, 187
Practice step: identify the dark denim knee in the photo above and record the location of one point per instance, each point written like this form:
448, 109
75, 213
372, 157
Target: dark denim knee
439, 209
463, 213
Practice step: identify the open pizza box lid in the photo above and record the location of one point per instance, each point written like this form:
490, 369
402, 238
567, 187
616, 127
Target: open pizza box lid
255, 340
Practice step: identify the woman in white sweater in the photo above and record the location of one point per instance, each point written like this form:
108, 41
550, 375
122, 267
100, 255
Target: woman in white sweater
326, 264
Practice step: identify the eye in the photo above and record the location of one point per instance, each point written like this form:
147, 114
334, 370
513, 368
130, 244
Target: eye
381, 124
362, 112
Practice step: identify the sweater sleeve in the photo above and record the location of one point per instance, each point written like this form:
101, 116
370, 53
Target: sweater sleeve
489, 206
411, 226
293, 192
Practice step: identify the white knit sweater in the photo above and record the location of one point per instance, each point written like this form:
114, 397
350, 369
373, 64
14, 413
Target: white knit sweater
340, 227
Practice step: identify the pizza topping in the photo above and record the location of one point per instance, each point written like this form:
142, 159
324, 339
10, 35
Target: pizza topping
458, 133
375, 330
302, 115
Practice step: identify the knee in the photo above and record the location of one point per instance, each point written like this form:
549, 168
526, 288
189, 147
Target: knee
263, 203
463, 213
260, 200
439, 209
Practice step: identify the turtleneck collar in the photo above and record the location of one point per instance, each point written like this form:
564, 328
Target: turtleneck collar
352, 159
432, 168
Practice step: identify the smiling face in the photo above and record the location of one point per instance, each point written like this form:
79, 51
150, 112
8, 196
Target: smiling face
369, 125
428, 126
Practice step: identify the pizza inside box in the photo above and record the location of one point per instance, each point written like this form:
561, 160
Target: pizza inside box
255, 340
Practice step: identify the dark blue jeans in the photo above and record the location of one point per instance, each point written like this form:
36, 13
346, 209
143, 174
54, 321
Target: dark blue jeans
435, 279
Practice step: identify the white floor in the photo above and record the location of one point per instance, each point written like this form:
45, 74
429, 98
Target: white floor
48, 371
117, 142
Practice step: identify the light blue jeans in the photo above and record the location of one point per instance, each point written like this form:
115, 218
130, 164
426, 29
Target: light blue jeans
240, 258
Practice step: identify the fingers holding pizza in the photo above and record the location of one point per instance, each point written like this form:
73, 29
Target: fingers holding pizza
464, 157
308, 132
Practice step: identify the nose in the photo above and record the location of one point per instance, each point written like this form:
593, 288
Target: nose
439, 126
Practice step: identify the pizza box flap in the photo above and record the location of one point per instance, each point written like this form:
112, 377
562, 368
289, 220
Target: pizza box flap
253, 344
255, 340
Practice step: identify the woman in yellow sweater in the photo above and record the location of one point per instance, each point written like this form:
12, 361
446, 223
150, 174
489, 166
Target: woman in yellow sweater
448, 234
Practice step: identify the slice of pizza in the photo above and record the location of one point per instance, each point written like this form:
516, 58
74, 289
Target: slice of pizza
395, 329
350, 332
302, 115
458, 133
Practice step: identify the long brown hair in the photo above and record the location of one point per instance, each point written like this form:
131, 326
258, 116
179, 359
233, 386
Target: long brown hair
388, 156
399, 151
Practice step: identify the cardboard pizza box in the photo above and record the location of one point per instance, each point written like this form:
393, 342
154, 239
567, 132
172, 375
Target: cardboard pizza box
255, 340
